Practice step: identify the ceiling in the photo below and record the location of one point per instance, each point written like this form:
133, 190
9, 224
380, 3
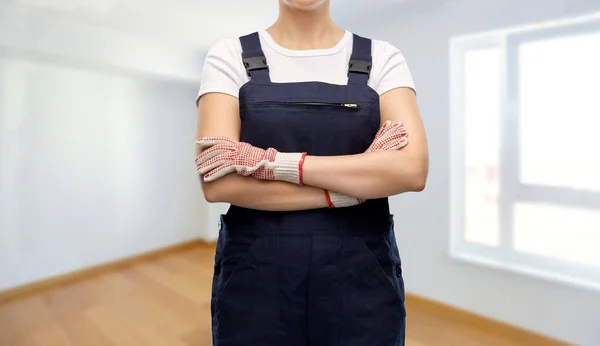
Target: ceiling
189, 22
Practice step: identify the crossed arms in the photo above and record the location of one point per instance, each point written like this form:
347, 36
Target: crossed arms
366, 176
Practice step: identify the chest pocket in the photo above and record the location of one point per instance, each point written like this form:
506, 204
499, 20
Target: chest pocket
319, 128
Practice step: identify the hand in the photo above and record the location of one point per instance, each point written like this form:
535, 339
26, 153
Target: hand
225, 156
391, 136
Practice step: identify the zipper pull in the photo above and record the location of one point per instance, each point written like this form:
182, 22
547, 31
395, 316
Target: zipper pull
350, 105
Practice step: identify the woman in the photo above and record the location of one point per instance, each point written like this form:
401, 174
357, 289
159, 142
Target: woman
290, 133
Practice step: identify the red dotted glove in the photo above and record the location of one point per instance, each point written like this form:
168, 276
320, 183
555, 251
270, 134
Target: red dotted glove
225, 156
391, 136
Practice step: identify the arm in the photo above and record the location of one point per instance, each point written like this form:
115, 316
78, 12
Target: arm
219, 116
378, 174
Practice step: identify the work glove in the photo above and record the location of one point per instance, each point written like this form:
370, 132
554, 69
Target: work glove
391, 136
224, 156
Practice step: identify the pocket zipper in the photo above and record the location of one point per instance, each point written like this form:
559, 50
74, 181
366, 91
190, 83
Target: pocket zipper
330, 104
345, 105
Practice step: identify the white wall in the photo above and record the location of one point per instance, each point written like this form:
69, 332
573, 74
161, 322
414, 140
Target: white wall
96, 147
38, 34
422, 30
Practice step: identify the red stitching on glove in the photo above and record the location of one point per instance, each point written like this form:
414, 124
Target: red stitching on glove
331, 206
300, 170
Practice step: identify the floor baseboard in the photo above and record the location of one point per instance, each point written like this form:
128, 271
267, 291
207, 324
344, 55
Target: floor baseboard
480, 322
37, 286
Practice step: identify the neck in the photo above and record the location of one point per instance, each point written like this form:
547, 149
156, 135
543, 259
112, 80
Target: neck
305, 29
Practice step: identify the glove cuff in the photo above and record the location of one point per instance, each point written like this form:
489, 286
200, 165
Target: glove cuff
337, 200
288, 167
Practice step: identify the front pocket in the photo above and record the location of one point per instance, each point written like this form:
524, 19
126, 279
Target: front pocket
245, 308
235, 252
389, 272
373, 311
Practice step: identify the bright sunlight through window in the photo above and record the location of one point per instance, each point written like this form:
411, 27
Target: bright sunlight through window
525, 150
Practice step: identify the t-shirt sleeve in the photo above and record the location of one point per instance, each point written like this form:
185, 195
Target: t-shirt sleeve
393, 71
223, 69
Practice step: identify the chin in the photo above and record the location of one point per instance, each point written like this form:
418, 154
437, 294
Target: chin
304, 4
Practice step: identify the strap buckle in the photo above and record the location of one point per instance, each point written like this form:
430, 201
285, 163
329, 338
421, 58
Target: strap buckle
360, 66
255, 63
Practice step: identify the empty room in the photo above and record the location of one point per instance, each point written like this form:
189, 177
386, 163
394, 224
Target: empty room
299, 173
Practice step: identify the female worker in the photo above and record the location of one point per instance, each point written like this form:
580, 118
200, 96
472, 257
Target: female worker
299, 130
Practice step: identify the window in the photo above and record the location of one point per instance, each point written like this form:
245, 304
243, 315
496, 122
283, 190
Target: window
526, 150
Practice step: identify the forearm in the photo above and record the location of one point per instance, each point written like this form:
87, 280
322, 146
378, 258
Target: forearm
369, 175
251, 193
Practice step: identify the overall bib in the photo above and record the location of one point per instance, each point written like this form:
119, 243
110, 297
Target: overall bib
322, 277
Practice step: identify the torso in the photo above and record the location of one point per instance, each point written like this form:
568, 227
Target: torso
319, 118
274, 113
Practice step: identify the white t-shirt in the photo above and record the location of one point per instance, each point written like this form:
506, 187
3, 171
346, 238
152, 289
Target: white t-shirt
224, 71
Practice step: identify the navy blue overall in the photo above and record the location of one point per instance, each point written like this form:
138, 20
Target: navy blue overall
322, 277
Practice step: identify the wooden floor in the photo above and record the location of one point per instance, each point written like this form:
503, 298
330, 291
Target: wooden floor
165, 302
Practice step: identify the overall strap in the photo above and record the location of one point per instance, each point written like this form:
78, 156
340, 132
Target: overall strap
254, 58
359, 67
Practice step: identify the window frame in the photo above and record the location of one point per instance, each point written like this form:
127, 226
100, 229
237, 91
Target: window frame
457, 144
512, 191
